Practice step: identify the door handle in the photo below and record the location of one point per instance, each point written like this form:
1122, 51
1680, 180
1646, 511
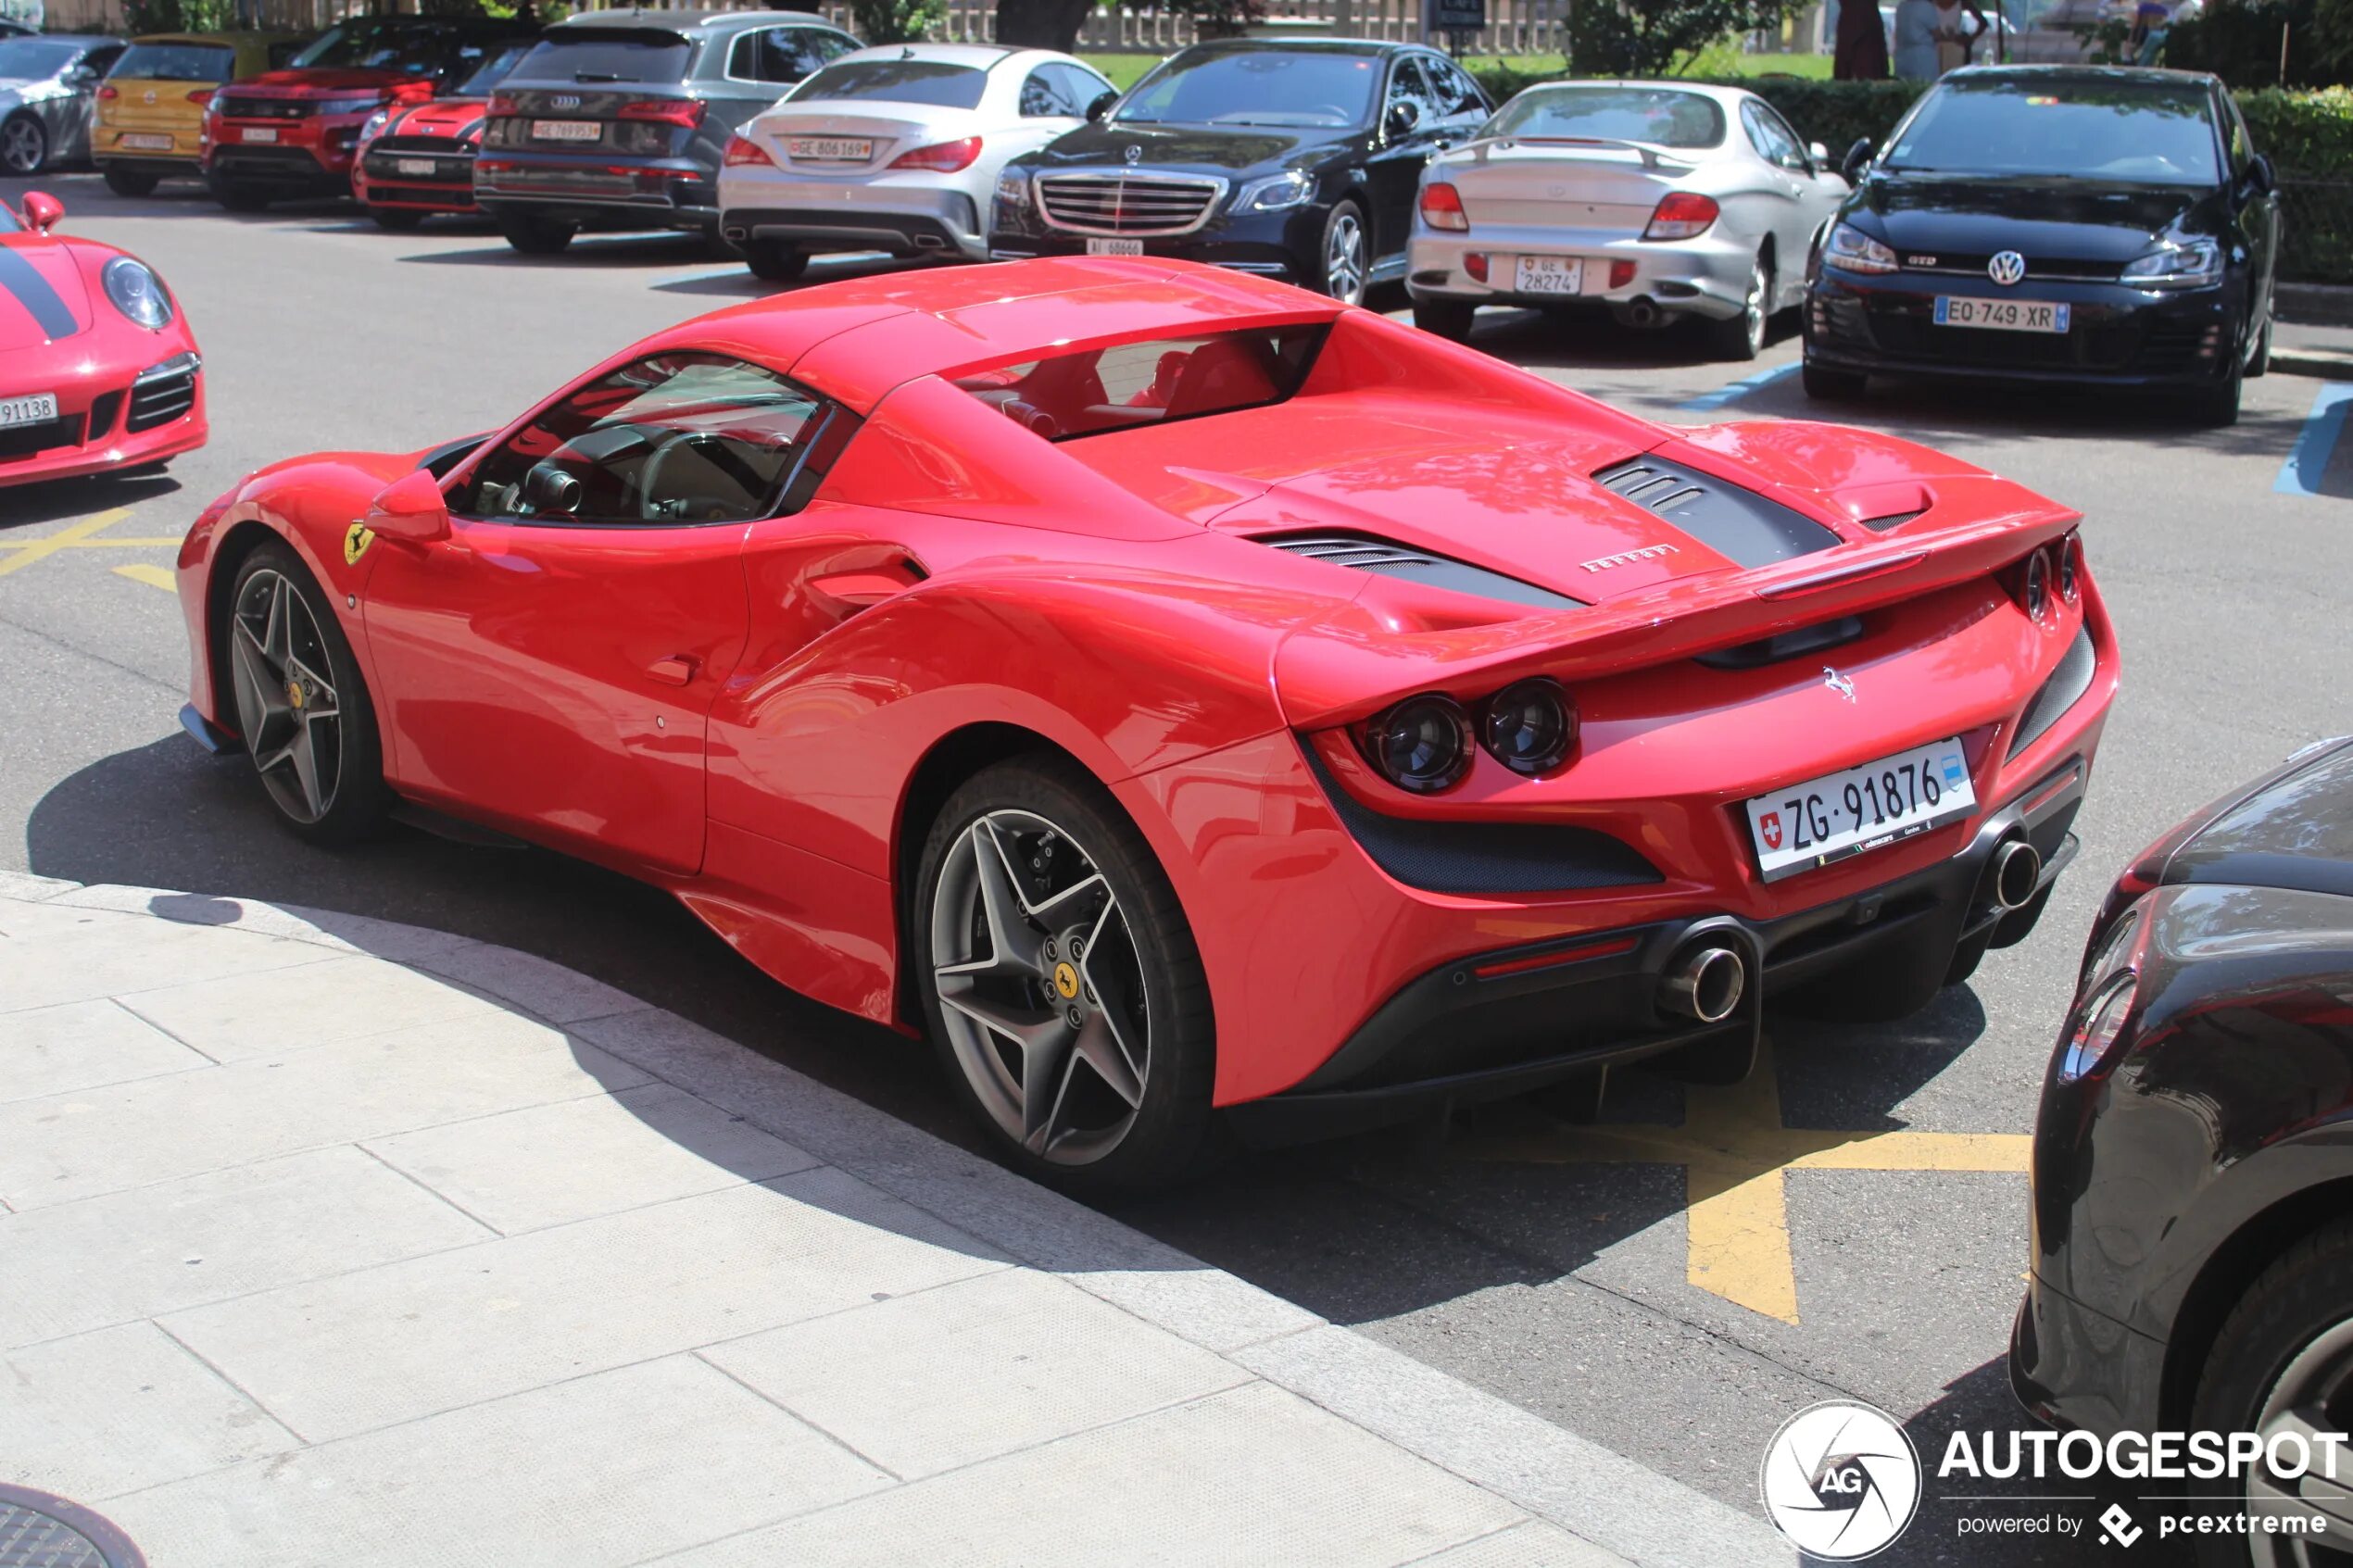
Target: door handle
675, 671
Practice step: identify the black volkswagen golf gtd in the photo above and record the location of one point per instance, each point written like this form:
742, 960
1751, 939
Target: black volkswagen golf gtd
1294, 160
2053, 223
2193, 1214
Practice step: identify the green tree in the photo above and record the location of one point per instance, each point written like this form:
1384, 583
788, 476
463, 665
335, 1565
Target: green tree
1648, 37
895, 21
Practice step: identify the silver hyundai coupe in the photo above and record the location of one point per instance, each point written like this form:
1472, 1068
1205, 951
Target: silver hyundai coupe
1656, 200
48, 89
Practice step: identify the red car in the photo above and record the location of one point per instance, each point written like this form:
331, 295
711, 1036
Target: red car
292, 133
98, 370
417, 159
1188, 699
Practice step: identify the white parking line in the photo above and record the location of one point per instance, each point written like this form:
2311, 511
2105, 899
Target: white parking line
2300, 475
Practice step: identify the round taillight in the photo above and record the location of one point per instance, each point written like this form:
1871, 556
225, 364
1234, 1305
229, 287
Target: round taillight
2071, 568
1529, 726
2093, 1041
2038, 584
1423, 743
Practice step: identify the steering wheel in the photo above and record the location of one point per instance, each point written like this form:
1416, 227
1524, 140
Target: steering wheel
716, 450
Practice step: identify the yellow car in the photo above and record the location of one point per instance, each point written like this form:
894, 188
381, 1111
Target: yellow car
150, 120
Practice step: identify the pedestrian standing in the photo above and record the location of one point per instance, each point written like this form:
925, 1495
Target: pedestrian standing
1916, 40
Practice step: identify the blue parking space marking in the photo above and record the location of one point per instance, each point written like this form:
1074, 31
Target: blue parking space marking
2300, 475
1739, 389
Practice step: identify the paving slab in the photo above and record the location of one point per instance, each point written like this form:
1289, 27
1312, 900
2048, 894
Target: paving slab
107, 958
55, 1051
243, 1016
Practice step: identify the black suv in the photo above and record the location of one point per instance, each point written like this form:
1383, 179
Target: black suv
620, 118
1294, 160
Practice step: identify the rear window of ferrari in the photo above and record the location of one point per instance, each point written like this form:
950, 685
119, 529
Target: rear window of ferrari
607, 54
1089, 392
1662, 116
935, 82
209, 63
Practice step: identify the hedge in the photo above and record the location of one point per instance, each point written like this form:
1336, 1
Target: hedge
2308, 134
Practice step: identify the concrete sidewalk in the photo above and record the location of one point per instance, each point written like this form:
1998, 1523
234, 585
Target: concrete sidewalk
324, 1240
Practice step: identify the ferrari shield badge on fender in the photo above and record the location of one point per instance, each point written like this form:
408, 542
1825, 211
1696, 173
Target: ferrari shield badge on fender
356, 540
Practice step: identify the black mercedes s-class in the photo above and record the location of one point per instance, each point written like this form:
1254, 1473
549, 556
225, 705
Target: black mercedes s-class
2192, 1213
2057, 223
1294, 160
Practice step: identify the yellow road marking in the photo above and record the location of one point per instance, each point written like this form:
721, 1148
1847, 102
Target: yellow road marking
153, 576
27, 551
1734, 1151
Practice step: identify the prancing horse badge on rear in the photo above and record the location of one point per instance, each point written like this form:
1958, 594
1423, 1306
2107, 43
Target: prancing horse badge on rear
1838, 683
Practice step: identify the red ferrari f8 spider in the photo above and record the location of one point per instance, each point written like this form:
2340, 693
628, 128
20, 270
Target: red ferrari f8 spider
98, 370
1190, 701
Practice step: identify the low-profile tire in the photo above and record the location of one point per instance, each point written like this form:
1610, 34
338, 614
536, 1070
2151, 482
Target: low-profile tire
537, 236
1449, 319
237, 196
774, 261
1741, 337
1092, 1068
300, 701
1345, 255
130, 183
24, 146
1825, 386
2285, 1355
2216, 406
396, 219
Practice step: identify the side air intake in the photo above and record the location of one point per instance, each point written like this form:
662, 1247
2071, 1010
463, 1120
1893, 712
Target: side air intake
1390, 560
1737, 524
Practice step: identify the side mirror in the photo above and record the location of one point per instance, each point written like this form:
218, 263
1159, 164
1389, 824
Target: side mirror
551, 490
2261, 178
1402, 118
1102, 106
1819, 154
1857, 157
42, 211
411, 508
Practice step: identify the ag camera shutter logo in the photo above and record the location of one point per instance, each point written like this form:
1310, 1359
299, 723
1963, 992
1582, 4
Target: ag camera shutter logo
1841, 1480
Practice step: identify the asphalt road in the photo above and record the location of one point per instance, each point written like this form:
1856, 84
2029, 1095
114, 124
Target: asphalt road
1577, 1289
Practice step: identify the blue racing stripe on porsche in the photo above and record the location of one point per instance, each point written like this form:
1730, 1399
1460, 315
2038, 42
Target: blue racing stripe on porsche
23, 282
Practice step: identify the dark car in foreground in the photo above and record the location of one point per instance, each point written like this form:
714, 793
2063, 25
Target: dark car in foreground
2053, 223
1291, 159
2193, 1214
619, 118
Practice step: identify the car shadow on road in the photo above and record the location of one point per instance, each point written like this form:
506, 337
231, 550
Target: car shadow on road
59, 500
1573, 340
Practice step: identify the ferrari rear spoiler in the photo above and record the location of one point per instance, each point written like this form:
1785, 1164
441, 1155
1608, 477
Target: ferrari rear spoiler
1655, 158
1346, 667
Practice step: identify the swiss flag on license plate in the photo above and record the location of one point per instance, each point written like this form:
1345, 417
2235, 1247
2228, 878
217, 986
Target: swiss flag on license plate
1770, 825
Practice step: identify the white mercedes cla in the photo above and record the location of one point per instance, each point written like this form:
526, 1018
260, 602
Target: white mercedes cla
895, 149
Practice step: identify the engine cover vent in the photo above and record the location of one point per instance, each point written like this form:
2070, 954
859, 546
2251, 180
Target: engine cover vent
1737, 524
1391, 559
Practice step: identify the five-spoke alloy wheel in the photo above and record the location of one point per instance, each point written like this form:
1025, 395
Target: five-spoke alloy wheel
300, 702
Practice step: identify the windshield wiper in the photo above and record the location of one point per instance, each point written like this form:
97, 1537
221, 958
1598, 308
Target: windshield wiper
602, 76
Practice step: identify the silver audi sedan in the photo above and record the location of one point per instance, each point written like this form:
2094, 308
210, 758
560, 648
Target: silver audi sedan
48, 89
1656, 200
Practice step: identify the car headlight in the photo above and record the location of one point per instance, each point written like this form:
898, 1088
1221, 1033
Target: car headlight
2180, 264
1276, 193
137, 293
1851, 250
1013, 190
347, 106
373, 126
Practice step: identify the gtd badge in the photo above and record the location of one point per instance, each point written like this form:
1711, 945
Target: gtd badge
1841, 1480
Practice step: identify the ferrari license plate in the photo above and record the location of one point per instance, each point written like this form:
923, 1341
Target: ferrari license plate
1548, 275
140, 142
2002, 315
257, 134
415, 166
34, 409
1114, 247
1868, 808
566, 130
829, 149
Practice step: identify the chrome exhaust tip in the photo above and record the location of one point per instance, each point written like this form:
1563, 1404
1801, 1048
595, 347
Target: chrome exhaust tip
2016, 875
1704, 983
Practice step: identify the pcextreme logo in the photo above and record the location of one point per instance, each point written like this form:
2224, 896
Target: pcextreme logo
1841, 1480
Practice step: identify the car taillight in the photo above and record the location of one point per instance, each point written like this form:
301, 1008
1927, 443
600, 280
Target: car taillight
1423, 743
502, 103
943, 157
742, 150
202, 96
1442, 208
667, 111
2071, 568
1681, 215
2030, 583
108, 95
2099, 1024
1529, 726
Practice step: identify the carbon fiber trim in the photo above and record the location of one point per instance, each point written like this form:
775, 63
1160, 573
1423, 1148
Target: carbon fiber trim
2066, 684
1737, 524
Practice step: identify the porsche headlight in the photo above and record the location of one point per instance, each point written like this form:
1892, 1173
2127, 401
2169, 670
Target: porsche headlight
137, 293
1275, 194
1851, 250
2178, 265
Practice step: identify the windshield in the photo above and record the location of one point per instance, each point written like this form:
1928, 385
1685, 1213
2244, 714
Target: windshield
1659, 116
493, 71
9, 224
2134, 132
176, 62
375, 43
898, 82
606, 53
31, 59
1255, 87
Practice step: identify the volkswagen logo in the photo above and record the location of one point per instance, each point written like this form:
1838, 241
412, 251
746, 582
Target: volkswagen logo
2007, 268
1133, 154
